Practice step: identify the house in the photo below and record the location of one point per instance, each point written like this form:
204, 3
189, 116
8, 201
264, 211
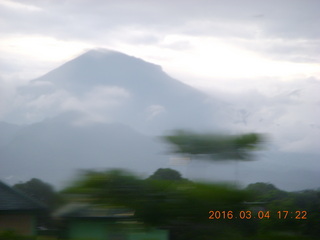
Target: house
18, 212
85, 221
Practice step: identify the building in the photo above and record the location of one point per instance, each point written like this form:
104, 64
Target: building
18, 212
85, 221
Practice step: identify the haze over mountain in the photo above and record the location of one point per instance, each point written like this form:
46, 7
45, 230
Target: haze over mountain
93, 112
103, 109
54, 148
99, 81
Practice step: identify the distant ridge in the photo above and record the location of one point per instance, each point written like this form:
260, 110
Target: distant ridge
103, 66
154, 100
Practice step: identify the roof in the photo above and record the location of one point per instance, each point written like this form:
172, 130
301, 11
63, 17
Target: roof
79, 210
12, 200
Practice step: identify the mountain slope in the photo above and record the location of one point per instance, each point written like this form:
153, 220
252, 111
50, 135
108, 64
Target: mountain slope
93, 112
140, 93
53, 149
7, 131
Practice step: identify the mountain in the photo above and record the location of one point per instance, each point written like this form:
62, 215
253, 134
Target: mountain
105, 67
99, 110
7, 131
103, 109
129, 90
55, 148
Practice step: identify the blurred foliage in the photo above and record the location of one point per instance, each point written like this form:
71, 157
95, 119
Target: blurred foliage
278, 236
215, 147
167, 174
279, 200
11, 235
181, 206
266, 192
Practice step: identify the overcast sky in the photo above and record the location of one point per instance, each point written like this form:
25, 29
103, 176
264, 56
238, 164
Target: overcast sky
219, 46
206, 43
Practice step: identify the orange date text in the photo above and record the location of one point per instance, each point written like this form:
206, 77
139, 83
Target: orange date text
247, 214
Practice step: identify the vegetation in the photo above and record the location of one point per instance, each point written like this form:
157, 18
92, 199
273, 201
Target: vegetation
167, 174
181, 206
294, 213
10, 235
188, 209
213, 146
166, 199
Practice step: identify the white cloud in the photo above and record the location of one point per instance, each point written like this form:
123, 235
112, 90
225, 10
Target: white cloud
203, 40
97, 100
289, 113
35, 55
97, 105
154, 110
19, 6
41, 47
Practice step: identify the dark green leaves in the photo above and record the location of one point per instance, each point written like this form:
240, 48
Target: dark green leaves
214, 146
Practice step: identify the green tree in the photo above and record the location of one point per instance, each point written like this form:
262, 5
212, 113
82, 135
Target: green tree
181, 206
213, 146
266, 192
167, 174
276, 200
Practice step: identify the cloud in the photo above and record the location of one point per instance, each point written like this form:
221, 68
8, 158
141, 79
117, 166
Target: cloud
19, 6
92, 19
99, 104
224, 45
284, 31
154, 111
308, 141
301, 50
288, 112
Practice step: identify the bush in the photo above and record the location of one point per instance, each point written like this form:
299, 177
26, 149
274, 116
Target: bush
11, 235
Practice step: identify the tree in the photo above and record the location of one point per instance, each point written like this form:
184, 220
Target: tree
213, 146
276, 200
181, 206
266, 192
166, 174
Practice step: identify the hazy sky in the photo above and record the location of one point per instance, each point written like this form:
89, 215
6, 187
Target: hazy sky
207, 43
262, 56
